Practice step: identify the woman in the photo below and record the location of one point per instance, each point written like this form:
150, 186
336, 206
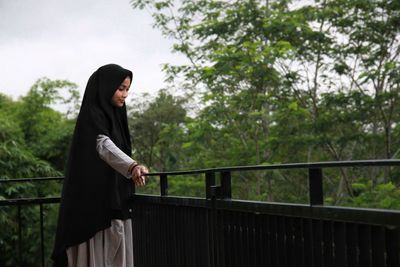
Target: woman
94, 226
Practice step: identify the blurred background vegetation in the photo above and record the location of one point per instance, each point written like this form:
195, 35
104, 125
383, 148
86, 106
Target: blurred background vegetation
267, 82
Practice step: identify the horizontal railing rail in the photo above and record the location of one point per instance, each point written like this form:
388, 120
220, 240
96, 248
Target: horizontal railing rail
30, 180
29, 201
304, 165
224, 189
315, 177
307, 165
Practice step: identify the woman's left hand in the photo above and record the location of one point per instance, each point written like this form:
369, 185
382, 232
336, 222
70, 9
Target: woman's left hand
138, 175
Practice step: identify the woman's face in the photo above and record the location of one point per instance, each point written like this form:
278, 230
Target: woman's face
121, 93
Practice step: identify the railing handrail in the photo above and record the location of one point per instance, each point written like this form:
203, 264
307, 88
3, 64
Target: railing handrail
38, 179
304, 165
29, 201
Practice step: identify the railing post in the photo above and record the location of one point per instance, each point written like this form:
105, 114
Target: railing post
315, 183
212, 192
210, 183
226, 188
164, 185
41, 233
19, 236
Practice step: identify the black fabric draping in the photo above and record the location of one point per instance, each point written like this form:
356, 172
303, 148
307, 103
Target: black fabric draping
93, 193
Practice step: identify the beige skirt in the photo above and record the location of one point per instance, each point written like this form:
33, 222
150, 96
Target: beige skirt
111, 247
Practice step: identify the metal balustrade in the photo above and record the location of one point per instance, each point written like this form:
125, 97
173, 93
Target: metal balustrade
219, 231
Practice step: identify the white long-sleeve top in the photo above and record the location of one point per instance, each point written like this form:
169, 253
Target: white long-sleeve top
114, 156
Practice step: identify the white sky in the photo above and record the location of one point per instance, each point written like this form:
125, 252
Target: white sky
70, 39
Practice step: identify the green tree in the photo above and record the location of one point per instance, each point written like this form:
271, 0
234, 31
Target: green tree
234, 50
157, 130
46, 131
18, 161
284, 81
33, 143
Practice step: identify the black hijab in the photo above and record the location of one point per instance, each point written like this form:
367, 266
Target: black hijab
93, 193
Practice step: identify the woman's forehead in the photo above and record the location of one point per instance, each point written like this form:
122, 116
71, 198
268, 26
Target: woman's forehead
126, 82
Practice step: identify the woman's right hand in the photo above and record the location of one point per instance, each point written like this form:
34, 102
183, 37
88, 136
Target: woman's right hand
138, 175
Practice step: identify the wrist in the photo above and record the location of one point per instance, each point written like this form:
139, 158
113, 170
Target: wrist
132, 167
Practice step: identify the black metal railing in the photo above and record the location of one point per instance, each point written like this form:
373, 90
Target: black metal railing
28, 202
219, 231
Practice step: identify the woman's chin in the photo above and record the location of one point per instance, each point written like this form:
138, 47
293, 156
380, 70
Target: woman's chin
119, 104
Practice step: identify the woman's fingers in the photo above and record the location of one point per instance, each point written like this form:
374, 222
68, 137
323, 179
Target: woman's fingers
138, 175
143, 171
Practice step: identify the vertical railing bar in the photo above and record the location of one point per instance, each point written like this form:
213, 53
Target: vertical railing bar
340, 245
267, 222
351, 241
316, 226
236, 240
378, 246
150, 224
364, 245
273, 237
242, 240
164, 185
19, 236
222, 229
210, 236
41, 233
316, 189
203, 236
280, 241
308, 243
290, 248
166, 257
228, 238
327, 228
217, 239
226, 188
299, 242
210, 181
392, 240
252, 244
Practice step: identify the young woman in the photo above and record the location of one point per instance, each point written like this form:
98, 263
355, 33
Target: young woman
94, 224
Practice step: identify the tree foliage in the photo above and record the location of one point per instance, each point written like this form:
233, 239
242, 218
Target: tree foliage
287, 81
33, 143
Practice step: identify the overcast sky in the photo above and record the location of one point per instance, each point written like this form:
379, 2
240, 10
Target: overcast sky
70, 39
